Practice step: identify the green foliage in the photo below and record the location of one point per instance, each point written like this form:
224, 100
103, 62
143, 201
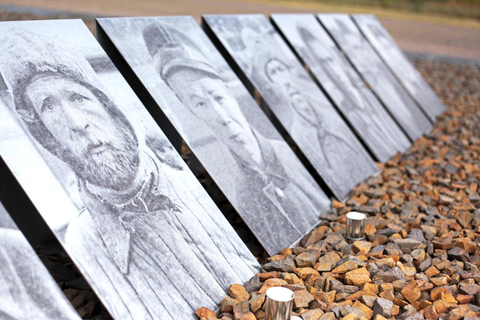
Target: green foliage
417, 5
387, 3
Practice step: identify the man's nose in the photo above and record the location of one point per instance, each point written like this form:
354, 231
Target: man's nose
220, 112
286, 82
77, 119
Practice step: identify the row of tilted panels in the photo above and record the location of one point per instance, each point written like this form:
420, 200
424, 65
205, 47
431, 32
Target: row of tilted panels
89, 153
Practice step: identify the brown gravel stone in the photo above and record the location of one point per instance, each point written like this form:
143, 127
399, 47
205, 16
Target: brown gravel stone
303, 273
345, 267
241, 309
325, 297
431, 272
227, 304
371, 287
314, 314
204, 312
357, 277
387, 295
270, 283
361, 246
267, 275
389, 262
302, 299
366, 310
307, 258
238, 292
411, 292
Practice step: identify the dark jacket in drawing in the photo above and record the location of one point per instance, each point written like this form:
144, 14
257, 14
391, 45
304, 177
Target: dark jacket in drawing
272, 187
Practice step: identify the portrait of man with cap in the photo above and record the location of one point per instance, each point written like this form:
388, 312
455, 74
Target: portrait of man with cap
27, 290
138, 240
266, 185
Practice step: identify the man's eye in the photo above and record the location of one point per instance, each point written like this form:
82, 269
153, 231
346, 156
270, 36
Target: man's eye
47, 105
219, 98
78, 98
200, 104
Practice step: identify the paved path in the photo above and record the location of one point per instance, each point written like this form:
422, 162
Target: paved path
412, 36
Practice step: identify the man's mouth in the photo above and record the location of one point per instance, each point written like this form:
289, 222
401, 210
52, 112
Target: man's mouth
96, 148
293, 92
236, 136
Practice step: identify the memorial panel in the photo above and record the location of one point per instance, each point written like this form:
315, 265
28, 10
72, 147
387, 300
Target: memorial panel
340, 81
27, 290
399, 64
303, 110
214, 113
374, 71
134, 219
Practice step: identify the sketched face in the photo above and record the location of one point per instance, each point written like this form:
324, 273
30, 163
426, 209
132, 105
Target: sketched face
327, 59
99, 148
302, 106
279, 73
210, 100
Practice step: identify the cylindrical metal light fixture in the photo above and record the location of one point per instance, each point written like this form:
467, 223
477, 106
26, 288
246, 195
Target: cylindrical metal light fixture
279, 303
356, 225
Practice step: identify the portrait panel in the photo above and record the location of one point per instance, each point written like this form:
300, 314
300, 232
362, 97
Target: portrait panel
272, 69
372, 123
27, 290
399, 64
229, 134
134, 219
380, 79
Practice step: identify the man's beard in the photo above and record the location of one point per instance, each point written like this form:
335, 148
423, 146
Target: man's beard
114, 168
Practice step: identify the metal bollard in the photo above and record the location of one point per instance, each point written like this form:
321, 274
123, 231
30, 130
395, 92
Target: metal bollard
356, 225
279, 303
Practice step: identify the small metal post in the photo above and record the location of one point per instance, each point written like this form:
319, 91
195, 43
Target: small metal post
279, 303
356, 225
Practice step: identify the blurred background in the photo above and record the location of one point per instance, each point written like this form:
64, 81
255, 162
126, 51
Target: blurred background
426, 29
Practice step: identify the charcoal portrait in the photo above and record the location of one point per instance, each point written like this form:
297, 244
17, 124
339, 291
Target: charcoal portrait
344, 86
294, 98
399, 64
120, 199
256, 170
27, 290
382, 82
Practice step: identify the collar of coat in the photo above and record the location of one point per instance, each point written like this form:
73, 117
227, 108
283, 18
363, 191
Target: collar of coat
271, 167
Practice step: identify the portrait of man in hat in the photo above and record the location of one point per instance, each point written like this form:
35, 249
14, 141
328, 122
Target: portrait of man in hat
138, 239
27, 290
265, 185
